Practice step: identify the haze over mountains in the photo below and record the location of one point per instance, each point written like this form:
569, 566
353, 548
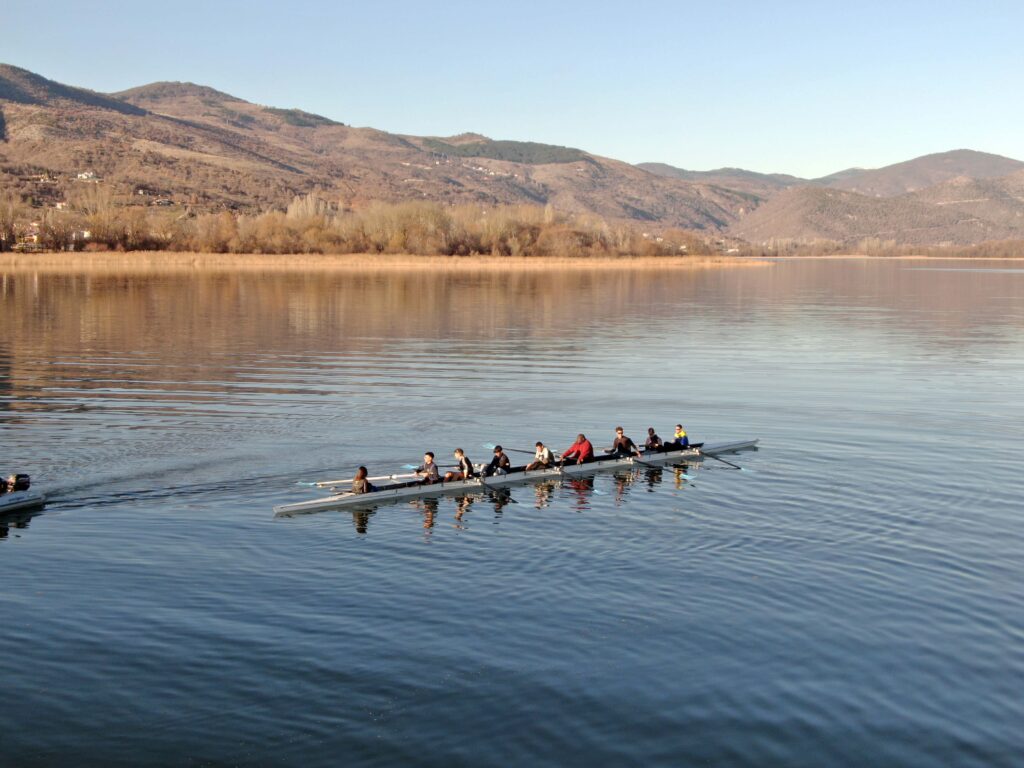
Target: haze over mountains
205, 149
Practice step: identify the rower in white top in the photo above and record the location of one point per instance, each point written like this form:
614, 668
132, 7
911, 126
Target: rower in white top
542, 459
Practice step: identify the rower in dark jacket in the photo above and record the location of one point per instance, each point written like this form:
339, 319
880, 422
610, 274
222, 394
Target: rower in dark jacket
428, 469
623, 446
499, 465
653, 442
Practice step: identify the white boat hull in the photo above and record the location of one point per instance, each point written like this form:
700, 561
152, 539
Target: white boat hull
19, 500
387, 495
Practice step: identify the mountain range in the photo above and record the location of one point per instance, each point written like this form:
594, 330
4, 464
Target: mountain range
196, 146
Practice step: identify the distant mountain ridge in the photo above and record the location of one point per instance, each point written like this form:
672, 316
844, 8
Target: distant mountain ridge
208, 150
960, 198
20, 86
922, 172
958, 212
889, 181
213, 151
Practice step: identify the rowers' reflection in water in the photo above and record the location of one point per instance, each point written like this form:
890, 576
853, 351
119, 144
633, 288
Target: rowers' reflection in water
623, 480
428, 508
462, 505
542, 493
501, 498
583, 487
361, 519
681, 475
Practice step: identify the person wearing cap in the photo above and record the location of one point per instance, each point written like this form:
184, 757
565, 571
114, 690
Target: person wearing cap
542, 459
581, 451
499, 465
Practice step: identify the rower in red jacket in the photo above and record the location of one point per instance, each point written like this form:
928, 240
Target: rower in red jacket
580, 451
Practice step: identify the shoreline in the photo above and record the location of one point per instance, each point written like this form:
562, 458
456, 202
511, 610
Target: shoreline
157, 260
179, 261
901, 257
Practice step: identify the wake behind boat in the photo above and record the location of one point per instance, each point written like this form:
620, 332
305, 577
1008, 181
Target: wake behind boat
397, 491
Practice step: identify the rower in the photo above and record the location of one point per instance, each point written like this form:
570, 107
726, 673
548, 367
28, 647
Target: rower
499, 465
465, 467
679, 439
542, 459
623, 446
581, 451
653, 442
428, 469
360, 484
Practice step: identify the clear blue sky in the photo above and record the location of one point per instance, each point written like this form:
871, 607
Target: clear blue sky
799, 87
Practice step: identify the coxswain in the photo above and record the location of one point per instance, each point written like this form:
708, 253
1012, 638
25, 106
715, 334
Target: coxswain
428, 469
580, 451
465, 469
499, 465
623, 446
653, 442
542, 459
679, 438
360, 484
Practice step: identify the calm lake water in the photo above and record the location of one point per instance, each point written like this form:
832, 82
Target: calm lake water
854, 597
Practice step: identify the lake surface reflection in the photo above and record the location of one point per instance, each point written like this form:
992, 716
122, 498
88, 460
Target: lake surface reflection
854, 596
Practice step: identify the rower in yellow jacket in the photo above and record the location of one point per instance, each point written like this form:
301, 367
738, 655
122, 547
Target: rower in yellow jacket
680, 438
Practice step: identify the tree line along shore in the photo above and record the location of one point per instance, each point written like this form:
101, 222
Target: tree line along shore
310, 225
94, 221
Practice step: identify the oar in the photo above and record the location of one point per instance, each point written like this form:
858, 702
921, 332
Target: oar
325, 483
439, 466
734, 466
328, 483
492, 446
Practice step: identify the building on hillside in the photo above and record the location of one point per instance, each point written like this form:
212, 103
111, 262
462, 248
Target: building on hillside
87, 176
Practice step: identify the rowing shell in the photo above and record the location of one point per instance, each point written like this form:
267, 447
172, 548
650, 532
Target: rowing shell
390, 493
